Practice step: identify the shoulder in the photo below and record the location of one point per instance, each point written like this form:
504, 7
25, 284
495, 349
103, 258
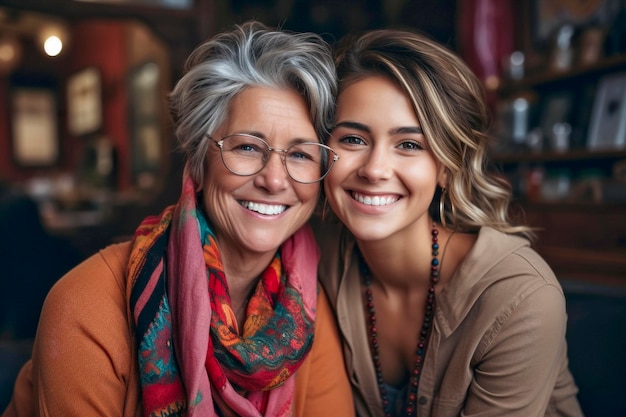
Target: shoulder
500, 257
321, 382
102, 273
519, 270
521, 284
84, 341
92, 293
500, 275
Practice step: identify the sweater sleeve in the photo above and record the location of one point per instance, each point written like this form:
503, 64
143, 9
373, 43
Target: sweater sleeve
521, 359
322, 386
82, 356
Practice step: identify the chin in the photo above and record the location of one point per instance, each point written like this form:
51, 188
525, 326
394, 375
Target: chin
263, 242
370, 233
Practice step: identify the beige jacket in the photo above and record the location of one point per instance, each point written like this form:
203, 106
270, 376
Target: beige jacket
497, 346
85, 362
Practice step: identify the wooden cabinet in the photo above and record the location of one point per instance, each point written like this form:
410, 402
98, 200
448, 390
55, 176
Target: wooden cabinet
575, 195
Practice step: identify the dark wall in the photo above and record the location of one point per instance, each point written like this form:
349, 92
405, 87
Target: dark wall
334, 20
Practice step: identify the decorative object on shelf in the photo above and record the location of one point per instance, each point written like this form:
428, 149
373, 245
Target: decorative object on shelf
512, 122
563, 49
521, 109
516, 65
589, 48
607, 128
560, 137
556, 112
534, 140
84, 102
532, 181
556, 185
34, 127
550, 15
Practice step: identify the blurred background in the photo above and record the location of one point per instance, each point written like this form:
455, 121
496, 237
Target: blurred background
87, 149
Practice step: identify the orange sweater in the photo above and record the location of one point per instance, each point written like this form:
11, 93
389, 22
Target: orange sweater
84, 359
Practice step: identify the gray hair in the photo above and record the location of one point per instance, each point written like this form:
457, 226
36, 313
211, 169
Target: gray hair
250, 55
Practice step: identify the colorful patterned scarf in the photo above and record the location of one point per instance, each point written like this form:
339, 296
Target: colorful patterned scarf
193, 361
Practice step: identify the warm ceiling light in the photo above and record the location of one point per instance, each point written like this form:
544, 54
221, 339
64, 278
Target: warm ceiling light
10, 53
53, 45
53, 38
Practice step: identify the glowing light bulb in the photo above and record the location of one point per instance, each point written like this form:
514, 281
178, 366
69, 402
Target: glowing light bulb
53, 45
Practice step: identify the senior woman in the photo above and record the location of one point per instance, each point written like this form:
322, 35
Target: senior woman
213, 309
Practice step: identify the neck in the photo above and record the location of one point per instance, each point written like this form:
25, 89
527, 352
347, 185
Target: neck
242, 271
404, 263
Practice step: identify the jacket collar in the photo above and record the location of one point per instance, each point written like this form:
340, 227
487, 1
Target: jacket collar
468, 282
472, 277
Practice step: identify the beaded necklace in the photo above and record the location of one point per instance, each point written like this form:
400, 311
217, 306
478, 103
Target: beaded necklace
410, 409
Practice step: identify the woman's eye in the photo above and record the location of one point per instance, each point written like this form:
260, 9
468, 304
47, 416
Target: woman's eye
246, 147
411, 146
352, 140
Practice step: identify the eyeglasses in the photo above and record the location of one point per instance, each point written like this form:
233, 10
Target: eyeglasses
305, 162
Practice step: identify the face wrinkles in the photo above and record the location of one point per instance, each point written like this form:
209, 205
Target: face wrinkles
257, 213
386, 177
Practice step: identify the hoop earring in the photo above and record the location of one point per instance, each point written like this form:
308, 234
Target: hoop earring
442, 213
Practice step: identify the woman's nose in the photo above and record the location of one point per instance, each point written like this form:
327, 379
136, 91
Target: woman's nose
377, 165
273, 177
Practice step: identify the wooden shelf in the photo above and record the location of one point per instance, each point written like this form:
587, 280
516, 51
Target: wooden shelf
573, 156
533, 81
599, 266
595, 208
582, 240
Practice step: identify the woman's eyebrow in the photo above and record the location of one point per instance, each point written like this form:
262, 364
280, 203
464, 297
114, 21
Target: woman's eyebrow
408, 129
353, 125
365, 128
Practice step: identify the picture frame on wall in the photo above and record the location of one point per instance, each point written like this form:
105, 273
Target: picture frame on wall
607, 126
84, 102
34, 127
145, 104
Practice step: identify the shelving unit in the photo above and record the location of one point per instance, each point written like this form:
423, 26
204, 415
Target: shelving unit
551, 79
582, 235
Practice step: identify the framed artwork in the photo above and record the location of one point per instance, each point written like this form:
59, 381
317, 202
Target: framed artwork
145, 114
84, 102
35, 139
607, 128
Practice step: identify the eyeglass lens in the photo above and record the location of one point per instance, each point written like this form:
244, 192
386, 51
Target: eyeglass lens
246, 155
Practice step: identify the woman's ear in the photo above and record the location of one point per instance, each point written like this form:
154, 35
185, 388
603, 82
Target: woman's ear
442, 177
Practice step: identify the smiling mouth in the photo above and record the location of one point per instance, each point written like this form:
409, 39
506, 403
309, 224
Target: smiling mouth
267, 209
376, 200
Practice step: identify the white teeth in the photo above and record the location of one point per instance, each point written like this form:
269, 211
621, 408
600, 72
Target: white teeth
268, 209
374, 201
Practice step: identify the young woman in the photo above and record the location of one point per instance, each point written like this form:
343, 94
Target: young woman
212, 309
444, 308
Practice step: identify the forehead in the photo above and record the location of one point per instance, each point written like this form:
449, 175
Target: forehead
264, 108
375, 100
